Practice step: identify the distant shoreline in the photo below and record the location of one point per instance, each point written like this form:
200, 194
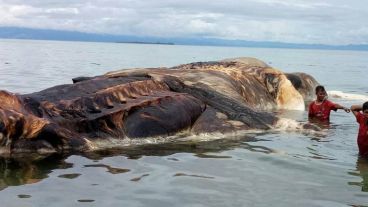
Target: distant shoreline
60, 35
148, 43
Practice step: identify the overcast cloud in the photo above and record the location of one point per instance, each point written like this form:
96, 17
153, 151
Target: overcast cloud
297, 21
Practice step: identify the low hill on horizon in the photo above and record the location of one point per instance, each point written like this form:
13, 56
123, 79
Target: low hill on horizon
47, 34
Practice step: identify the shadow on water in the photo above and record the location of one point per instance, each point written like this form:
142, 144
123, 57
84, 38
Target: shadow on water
15, 172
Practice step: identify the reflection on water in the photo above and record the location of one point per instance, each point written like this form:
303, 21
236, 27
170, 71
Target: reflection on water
70, 176
211, 156
85, 200
322, 124
111, 170
173, 171
316, 155
24, 196
139, 178
361, 171
20, 172
14, 172
197, 176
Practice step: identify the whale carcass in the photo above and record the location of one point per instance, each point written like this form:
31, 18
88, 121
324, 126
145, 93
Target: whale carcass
202, 97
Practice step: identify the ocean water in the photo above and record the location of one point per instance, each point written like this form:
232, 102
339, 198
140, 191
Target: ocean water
283, 167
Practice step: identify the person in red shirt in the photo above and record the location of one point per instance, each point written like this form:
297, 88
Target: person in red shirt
319, 110
361, 114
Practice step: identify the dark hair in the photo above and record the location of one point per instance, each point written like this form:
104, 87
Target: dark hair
320, 88
365, 106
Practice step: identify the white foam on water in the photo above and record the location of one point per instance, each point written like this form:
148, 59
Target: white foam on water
284, 124
289, 125
113, 142
347, 96
107, 143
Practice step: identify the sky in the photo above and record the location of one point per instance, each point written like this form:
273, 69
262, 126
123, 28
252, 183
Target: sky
333, 22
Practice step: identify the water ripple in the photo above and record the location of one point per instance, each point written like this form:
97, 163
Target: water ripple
111, 170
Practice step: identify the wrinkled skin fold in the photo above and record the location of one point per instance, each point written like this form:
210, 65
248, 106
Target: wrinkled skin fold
205, 97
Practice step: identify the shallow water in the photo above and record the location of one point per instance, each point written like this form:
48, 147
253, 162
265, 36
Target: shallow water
276, 168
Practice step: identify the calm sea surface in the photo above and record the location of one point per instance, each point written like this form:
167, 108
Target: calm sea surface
279, 168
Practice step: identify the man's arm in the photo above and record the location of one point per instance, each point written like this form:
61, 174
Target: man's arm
356, 109
338, 106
